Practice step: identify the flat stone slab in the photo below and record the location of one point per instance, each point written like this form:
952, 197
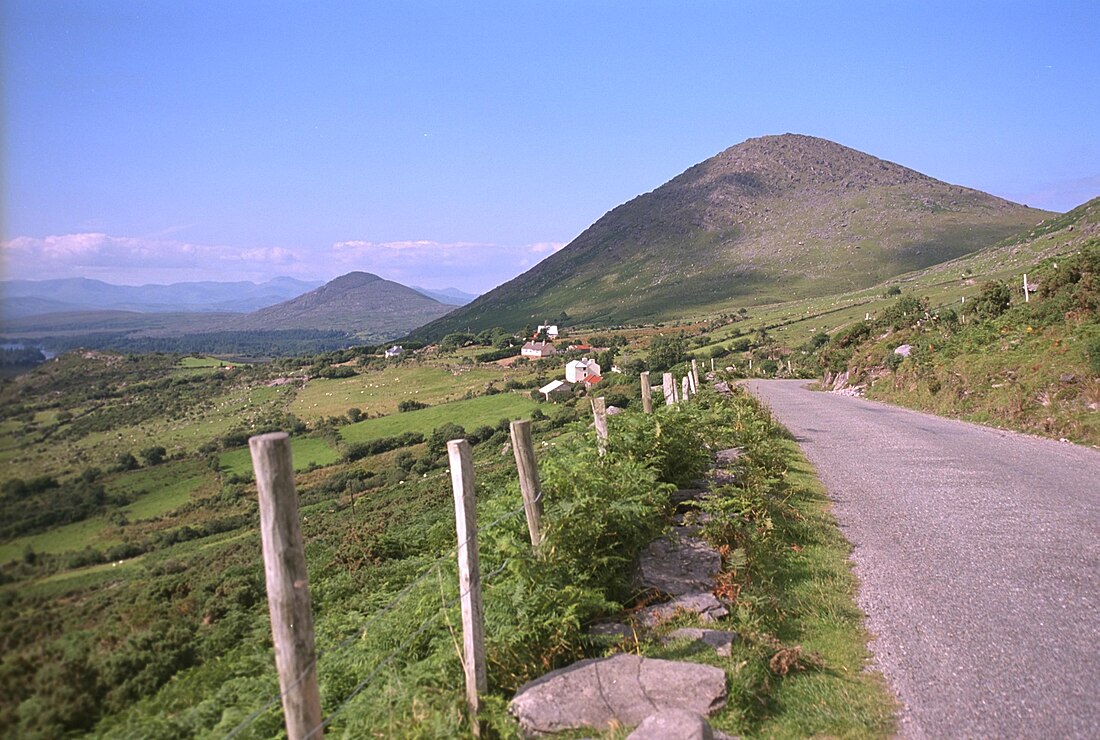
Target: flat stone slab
721, 640
623, 689
704, 604
678, 564
727, 457
615, 630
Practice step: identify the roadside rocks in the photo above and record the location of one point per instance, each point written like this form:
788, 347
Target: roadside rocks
720, 640
623, 689
678, 564
663, 698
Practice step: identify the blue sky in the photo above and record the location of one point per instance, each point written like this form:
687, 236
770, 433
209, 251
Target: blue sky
456, 144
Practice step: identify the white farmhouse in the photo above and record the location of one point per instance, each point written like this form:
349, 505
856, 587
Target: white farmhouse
395, 351
551, 330
578, 370
538, 349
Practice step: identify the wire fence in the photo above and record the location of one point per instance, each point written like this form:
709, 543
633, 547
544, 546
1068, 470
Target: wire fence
462, 477
431, 568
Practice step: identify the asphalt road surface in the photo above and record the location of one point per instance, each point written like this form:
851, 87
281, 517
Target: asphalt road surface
978, 555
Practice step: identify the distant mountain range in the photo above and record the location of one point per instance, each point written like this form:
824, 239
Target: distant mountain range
358, 306
449, 296
767, 220
22, 298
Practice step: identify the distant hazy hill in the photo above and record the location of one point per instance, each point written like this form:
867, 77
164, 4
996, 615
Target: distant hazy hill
359, 303
449, 296
767, 220
33, 297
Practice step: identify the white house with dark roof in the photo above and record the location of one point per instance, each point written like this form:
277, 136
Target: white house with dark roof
538, 349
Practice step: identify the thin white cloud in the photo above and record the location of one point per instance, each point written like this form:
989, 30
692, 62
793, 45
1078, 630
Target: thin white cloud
122, 259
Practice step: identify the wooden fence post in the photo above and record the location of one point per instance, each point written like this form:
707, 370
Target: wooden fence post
287, 585
599, 412
1027, 291
693, 385
529, 484
712, 364
684, 387
647, 394
469, 576
694, 376
668, 385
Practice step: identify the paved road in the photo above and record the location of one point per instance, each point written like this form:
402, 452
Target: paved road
978, 554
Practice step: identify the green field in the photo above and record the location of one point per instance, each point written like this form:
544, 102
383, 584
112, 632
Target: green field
378, 392
203, 362
75, 536
162, 488
307, 452
484, 410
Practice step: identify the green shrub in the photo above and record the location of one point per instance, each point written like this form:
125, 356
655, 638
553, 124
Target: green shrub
670, 440
360, 450
904, 312
993, 301
437, 440
1092, 349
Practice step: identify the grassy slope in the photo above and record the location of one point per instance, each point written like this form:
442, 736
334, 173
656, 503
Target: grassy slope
1030, 369
307, 452
483, 410
378, 392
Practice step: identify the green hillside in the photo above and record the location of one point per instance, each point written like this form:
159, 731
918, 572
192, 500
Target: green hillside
1032, 365
768, 220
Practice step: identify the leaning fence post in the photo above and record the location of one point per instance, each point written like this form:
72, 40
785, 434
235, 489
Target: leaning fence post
694, 375
669, 388
529, 485
287, 584
469, 576
647, 394
693, 385
684, 387
599, 412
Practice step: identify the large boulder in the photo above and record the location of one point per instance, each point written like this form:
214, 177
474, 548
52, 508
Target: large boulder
623, 689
